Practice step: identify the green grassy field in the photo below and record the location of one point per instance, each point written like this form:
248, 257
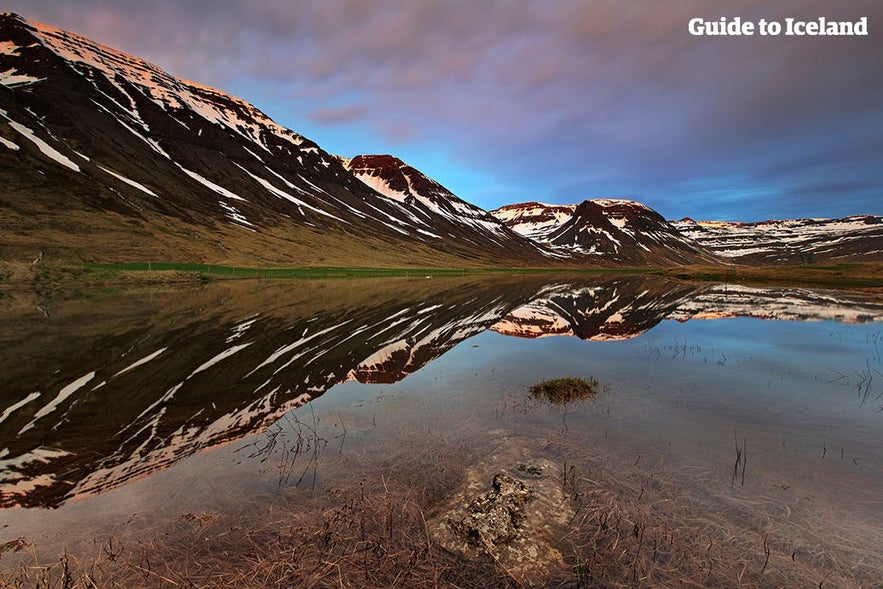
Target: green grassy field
71, 279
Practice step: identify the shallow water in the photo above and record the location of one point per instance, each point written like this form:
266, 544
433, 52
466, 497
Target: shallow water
760, 408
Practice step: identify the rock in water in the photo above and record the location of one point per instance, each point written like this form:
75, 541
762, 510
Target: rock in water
516, 523
496, 516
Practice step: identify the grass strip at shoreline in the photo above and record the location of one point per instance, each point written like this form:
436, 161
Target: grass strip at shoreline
217, 270
866, 276
846, 275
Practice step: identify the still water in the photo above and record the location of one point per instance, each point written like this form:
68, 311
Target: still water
744, 421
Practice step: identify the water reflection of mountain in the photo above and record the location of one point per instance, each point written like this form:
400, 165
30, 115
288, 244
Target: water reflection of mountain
605, 310
625, 308
103, 391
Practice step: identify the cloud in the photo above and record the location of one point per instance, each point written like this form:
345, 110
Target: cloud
336, 115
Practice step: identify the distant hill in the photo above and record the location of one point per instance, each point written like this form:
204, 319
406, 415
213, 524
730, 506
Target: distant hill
609, 230
791, 241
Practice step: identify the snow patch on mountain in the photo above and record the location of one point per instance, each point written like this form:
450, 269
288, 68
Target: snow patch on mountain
44, 147
128, 181
12, 79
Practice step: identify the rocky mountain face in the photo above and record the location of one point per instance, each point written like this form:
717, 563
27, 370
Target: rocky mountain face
106, 156
621, 231
535, 220
794, 241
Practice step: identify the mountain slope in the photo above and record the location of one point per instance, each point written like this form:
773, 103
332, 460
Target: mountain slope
793, 241
106, 156
620, 231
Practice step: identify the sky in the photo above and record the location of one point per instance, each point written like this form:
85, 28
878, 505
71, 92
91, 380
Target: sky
506, 101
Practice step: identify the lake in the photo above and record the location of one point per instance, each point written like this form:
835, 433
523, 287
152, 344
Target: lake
337, 432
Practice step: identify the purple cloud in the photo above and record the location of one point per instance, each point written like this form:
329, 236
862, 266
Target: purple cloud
336, 115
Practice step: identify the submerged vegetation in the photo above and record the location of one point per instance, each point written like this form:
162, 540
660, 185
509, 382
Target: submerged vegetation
565, 390
613, 524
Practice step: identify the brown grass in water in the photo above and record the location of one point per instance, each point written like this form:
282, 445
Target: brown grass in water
635, 524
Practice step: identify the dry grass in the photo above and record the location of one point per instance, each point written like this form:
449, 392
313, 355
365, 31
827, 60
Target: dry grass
632, 527
373, 534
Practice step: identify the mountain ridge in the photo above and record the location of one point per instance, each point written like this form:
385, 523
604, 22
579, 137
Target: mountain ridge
107, 157
97, 143
618, 230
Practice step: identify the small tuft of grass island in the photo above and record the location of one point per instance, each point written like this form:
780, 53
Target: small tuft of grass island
564, 390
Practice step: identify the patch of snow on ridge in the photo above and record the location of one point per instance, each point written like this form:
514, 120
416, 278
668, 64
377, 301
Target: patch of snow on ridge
241, 328
222, 356
382, 355
143, 360
611, 202
9, 144
234, 215
380, 185
16, 406
128, 181
9, 48
44, 147
11, 79
208, 183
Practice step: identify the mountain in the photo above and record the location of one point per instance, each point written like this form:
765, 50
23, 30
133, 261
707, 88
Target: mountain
534, 220
794, 241
611, 309
618, 308
434, 209
609, 230
104, 156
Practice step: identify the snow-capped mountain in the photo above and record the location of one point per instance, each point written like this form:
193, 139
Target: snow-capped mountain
793, 241
105, 156
535, 220
433, 209
611, 309
622, 231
